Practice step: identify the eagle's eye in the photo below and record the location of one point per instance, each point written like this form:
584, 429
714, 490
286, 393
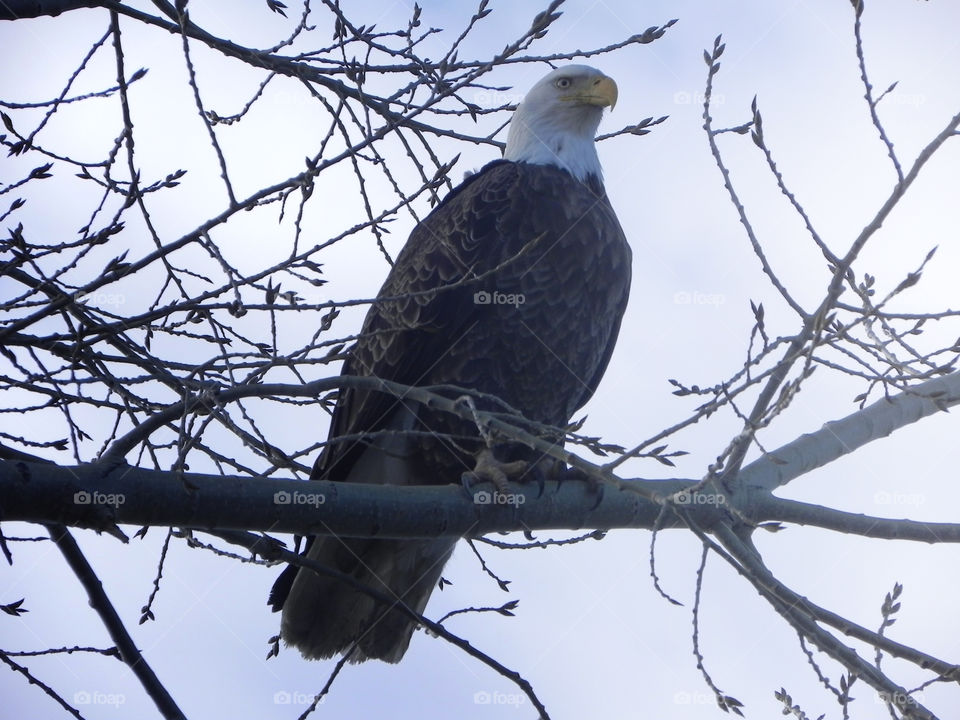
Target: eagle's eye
563, 83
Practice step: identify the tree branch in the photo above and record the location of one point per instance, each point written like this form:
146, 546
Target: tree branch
841, 437
20, 9
769, 507
101, 495
802, 614
271, 550
111, 620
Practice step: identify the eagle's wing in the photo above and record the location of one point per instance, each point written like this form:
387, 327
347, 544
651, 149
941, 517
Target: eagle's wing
411, 329
496, 219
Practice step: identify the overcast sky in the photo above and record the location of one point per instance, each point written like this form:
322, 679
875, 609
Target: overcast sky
590, 632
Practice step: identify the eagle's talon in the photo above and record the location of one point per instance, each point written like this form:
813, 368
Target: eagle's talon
540, 472
466, 480
598, 489
493, 470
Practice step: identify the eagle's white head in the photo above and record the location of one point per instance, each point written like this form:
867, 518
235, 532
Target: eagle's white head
557, 121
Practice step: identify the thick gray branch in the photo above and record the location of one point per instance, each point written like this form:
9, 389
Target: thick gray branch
841, 437
99, 496
802, 614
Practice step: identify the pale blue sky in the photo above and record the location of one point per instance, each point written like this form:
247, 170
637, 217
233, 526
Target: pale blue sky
590, 633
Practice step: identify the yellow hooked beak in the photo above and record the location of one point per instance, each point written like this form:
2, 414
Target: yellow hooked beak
601, 91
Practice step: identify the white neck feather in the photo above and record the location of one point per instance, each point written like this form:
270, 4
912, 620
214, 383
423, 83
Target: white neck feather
563, 137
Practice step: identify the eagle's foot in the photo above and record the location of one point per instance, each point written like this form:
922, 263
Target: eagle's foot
489, 468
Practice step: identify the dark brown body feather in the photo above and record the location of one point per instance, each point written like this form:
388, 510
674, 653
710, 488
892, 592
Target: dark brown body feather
565, 265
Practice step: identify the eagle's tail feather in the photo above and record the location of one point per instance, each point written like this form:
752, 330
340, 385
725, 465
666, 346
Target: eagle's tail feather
323, 616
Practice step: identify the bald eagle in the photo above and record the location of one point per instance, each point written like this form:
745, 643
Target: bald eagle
532, 272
